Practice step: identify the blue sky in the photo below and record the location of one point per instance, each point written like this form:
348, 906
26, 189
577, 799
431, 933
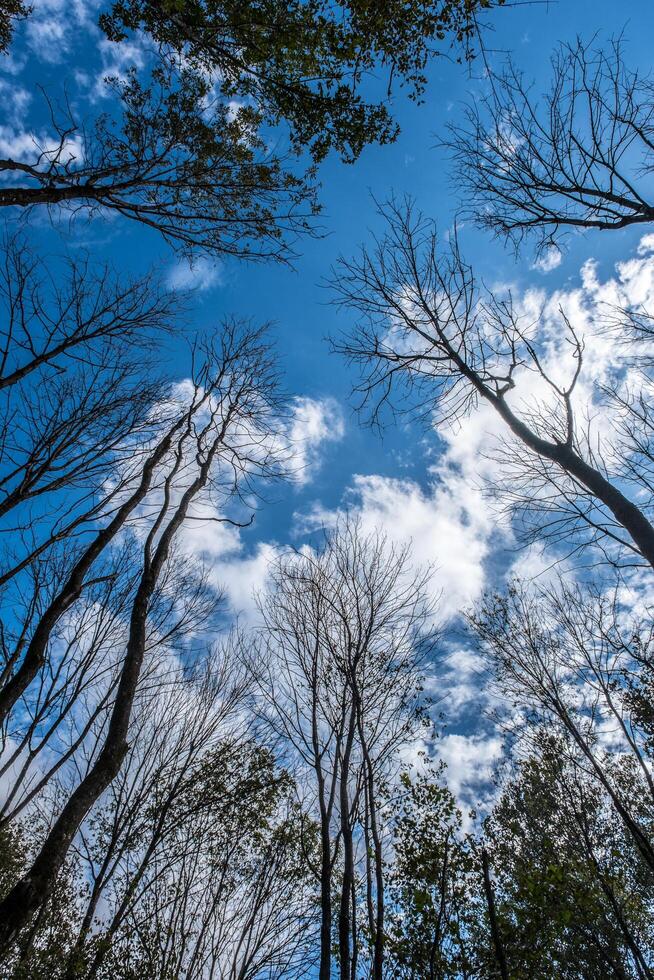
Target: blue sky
408, 475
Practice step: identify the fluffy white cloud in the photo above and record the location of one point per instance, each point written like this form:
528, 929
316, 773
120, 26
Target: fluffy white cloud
458, 684
540, 564
233, 567
243, 576
437, 523
550, 259
470, 760
16, 101
116, 60
200, 275
314, 422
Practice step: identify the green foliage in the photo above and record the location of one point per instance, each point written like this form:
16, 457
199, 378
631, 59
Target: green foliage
429, 882
302, 61
236, 826
572, 895
569, 883
207, 179
42, 949
10, 10
191, 144
235, 836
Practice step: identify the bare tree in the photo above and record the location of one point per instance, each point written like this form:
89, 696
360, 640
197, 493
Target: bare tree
345, 632
427, 324
581, 157
78, 385
65, 311
221, 438
176, 723
60, 719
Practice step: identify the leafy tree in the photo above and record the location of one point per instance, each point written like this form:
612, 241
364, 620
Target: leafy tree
574, 897
184, 147
230, 893
431, 879
302, 62
10, 10
42, 948
563, 656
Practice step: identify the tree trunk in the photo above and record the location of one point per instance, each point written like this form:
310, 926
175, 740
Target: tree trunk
36, 650
490, 901
344, 925
325, 906
33, 889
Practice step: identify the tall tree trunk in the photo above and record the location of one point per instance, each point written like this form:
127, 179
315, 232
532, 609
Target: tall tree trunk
36, 885
325, 905
495, 931
344, 912
378, 924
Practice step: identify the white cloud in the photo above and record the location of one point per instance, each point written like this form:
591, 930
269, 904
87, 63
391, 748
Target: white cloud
47, 36
550, 259
16, 144
239, 571
314, 422
458, 685
116, 60
16, 101
243, 577
437, 524
470, 760
202, 274
236, 570
51, 23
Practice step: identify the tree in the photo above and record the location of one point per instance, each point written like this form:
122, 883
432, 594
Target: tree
177, 723
77, 387
346, 629
192, 861
229, 894
183, 148
579, 158
208, 875
431, 882
10, 10
573, 895
42, 948
569, 657
427, 324
303, 63
223, 437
